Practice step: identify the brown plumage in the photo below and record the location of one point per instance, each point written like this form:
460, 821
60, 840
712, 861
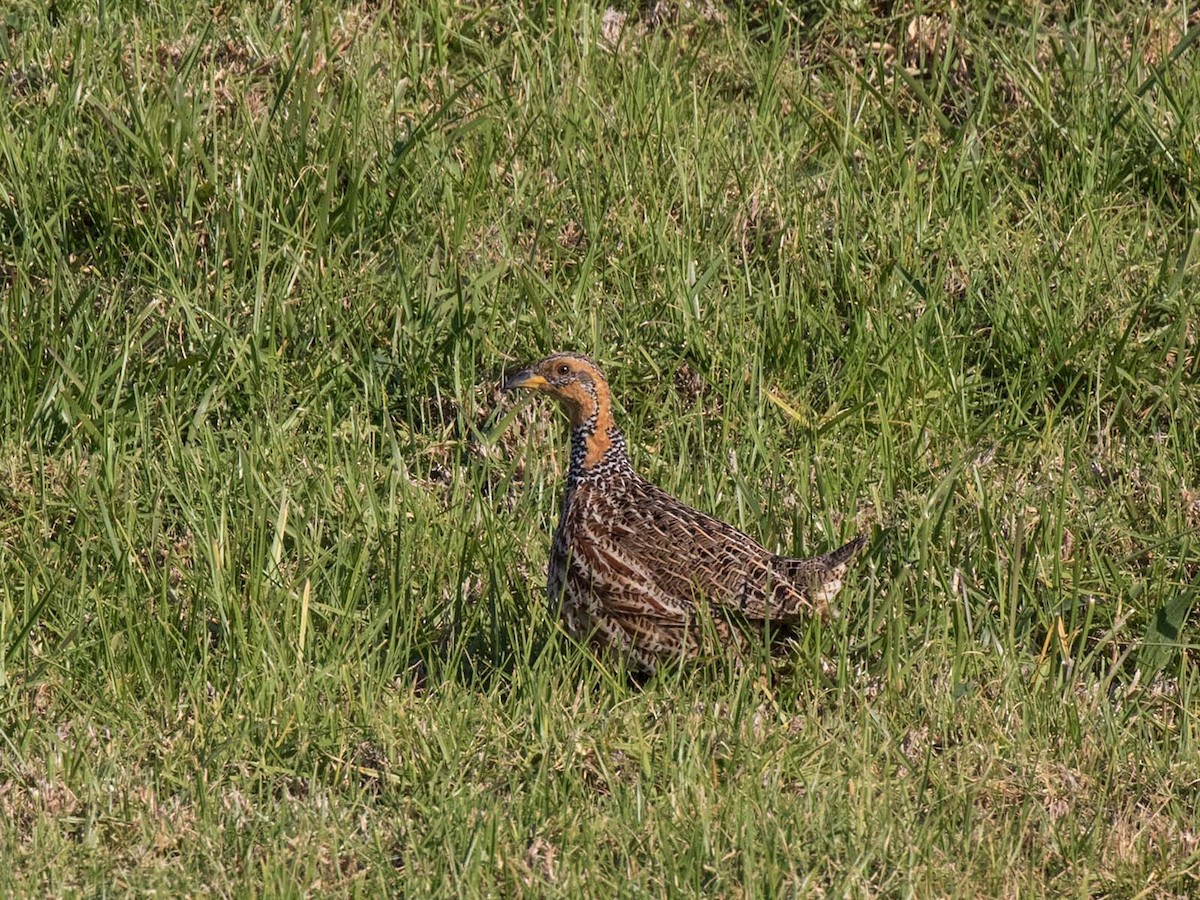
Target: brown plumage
637, 571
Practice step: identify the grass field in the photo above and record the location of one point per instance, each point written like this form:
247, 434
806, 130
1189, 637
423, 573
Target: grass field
272, 544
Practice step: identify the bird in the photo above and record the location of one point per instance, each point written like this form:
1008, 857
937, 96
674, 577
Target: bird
638, 573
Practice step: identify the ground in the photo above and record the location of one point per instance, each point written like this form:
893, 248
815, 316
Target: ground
272, 544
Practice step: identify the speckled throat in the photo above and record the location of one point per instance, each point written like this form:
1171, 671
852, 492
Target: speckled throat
597, 456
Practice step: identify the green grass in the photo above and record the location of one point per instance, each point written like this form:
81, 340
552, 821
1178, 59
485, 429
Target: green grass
272, 545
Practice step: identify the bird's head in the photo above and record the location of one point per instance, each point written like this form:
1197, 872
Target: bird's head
574, 381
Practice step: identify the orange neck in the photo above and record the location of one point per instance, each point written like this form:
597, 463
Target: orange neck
594, 435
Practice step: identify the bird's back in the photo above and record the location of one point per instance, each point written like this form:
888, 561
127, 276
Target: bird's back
630, 560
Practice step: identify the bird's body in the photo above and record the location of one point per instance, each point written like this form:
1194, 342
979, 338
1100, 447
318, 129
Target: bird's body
637, 571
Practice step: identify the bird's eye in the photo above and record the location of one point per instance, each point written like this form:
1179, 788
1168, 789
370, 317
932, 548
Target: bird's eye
564, 369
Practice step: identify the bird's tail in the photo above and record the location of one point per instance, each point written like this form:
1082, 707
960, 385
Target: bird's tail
842, 555
821, 576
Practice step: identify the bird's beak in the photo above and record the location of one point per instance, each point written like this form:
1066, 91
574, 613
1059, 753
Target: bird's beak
528, 380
